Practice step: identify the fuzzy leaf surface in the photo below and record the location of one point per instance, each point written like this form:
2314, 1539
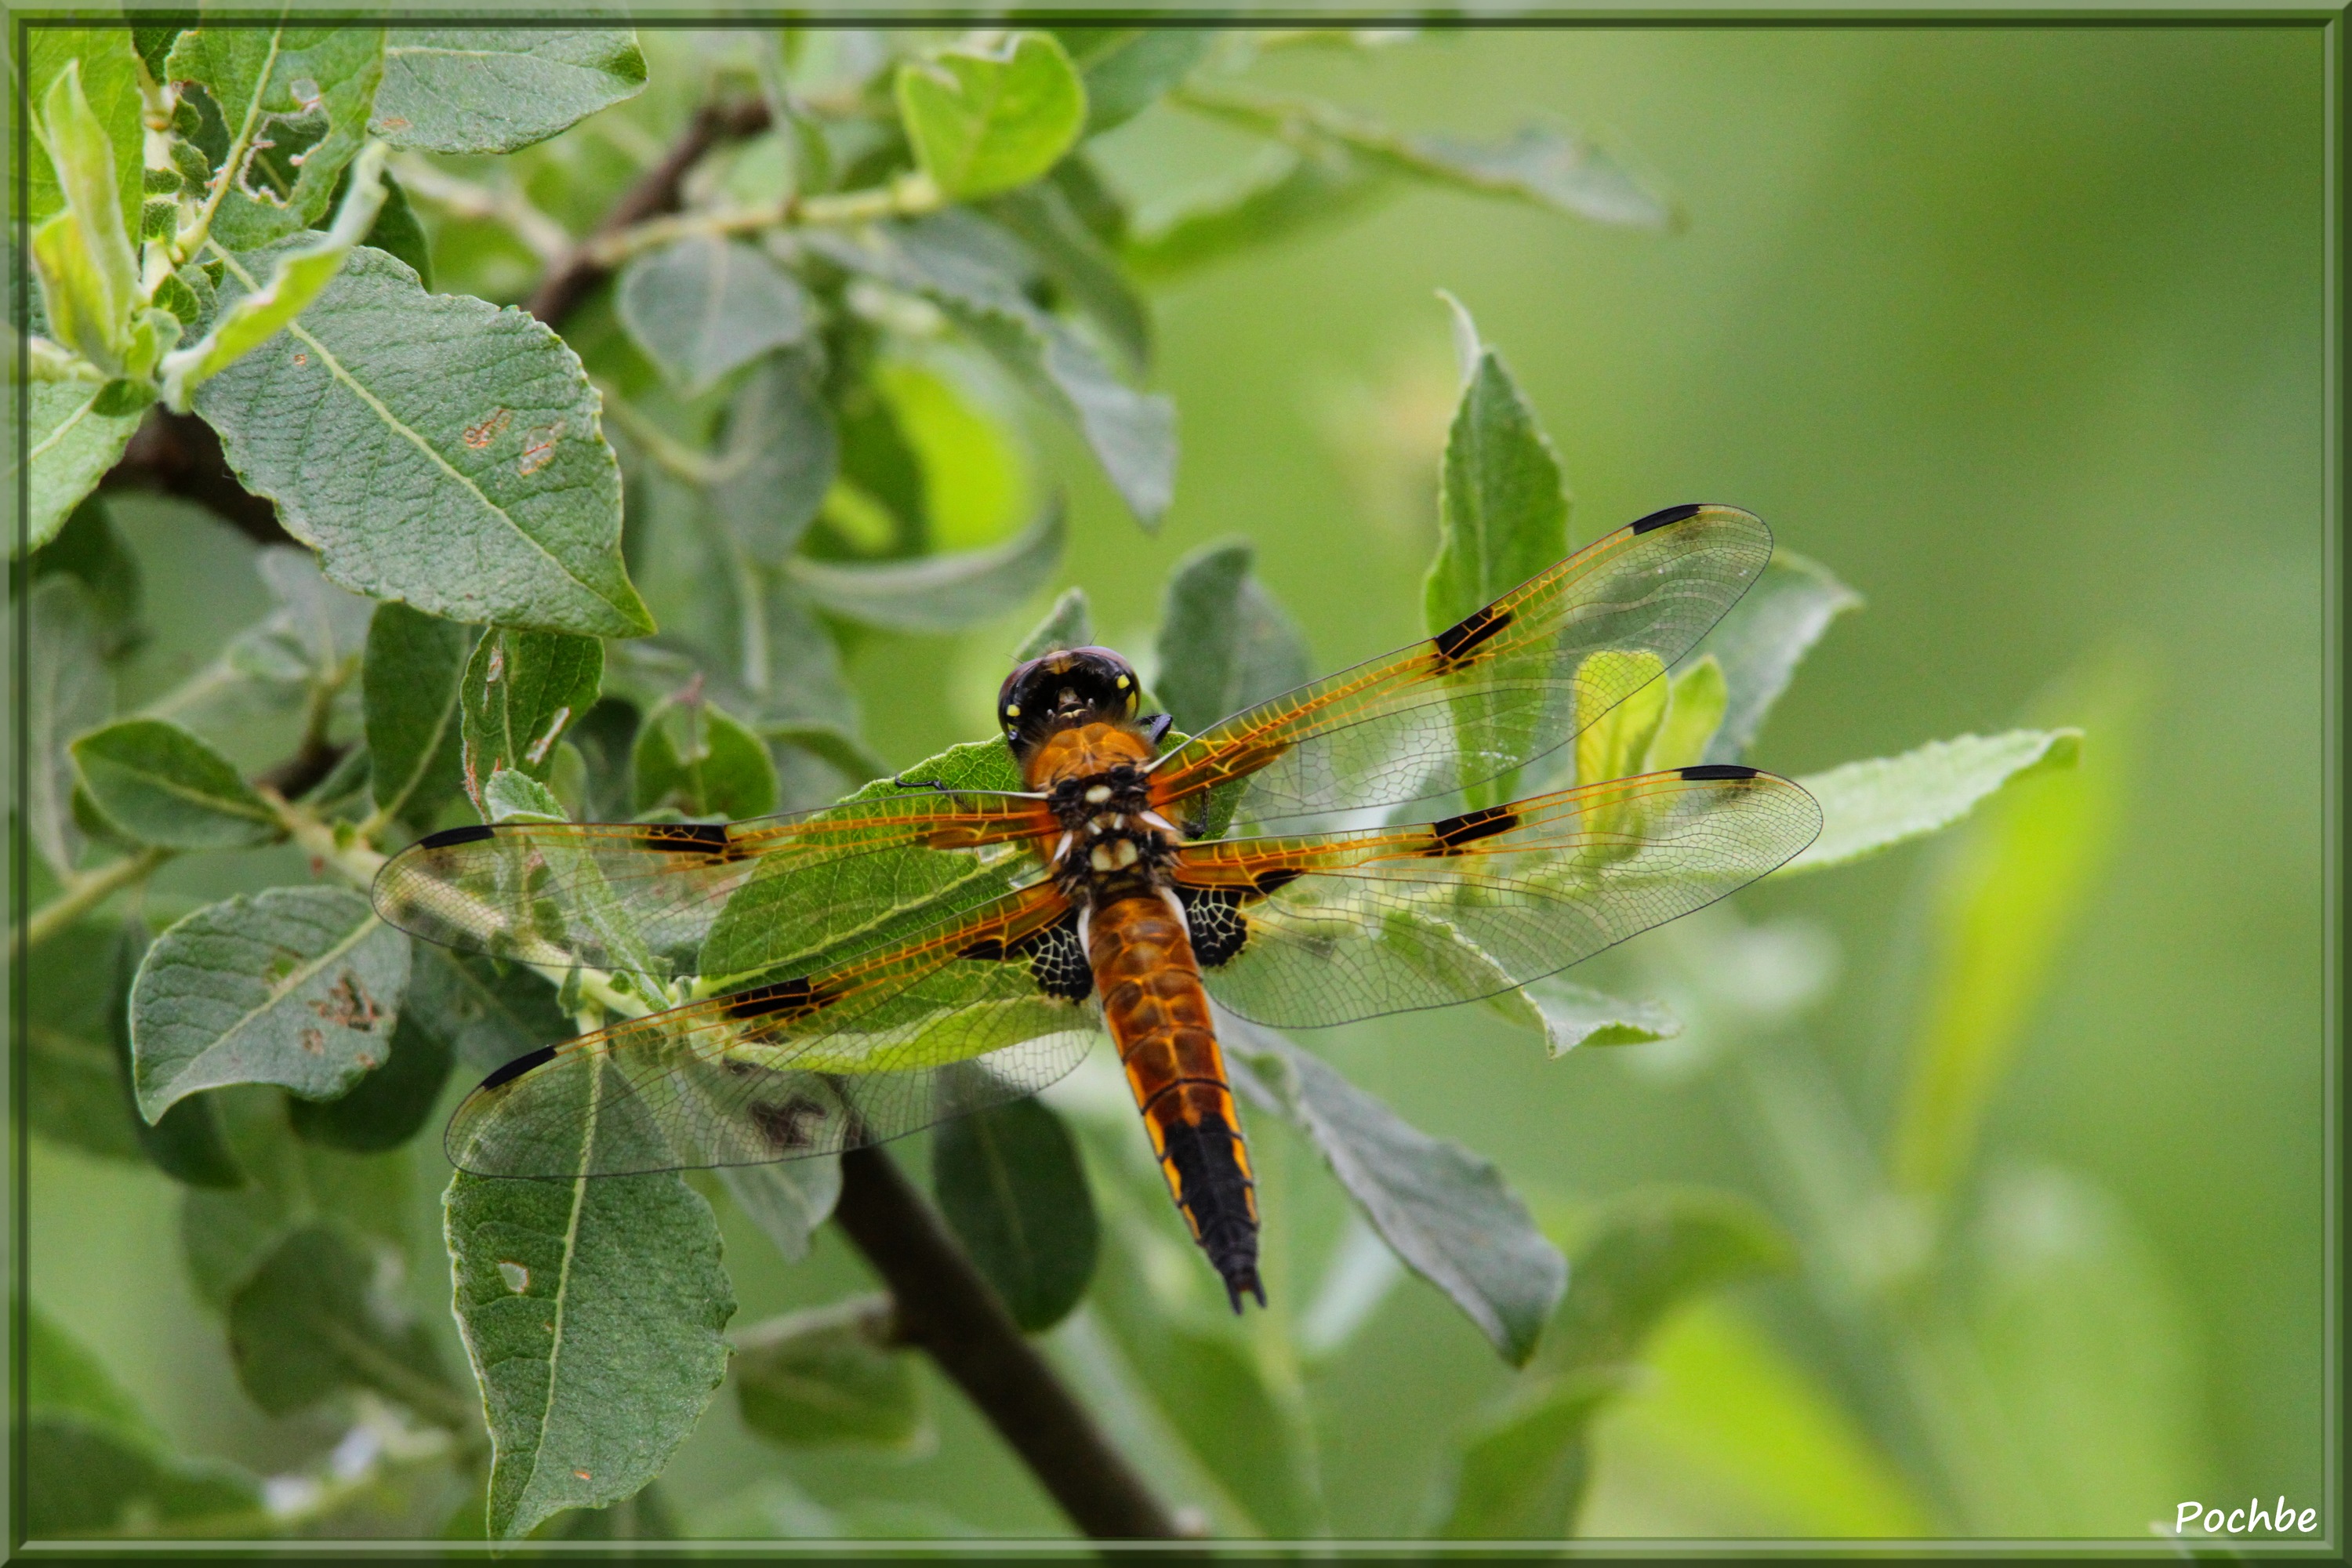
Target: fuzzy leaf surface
435, 449
294, 986
462, 89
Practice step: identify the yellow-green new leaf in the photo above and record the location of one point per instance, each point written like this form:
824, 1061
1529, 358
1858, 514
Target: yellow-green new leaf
297, 276
983, 121
87, 266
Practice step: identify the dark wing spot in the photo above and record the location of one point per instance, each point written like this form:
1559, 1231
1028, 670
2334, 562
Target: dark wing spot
449, 837
789, 1128
1219, 929
1706, 770
520, 1066
1673, 514
786, 998
687, 837
988, 948
1281, 876
1057, 960
1456, 641
1470, 826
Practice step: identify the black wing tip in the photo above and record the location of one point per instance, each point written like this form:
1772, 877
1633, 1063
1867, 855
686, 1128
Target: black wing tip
509, 1071
1706, 772
1668, 516
448, 838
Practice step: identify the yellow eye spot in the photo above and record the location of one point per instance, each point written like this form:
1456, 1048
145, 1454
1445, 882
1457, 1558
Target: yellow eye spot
1122, 683
1011, 711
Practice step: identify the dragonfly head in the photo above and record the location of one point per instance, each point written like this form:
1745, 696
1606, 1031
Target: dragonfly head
1062, 688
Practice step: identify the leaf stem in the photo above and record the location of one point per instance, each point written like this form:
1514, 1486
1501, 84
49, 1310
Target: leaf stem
944, 1306
85, 893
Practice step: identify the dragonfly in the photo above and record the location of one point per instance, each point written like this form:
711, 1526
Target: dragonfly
930, 948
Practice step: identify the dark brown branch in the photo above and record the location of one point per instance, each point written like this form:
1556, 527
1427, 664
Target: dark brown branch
944, 1306
179, 455
656, 192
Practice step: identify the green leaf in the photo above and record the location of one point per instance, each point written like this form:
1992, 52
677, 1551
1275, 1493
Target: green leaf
284, 93
1258, 207
646, 1516
226, 1234
63, 1375
1010, 1183
985, 119
1647, 1253
1081, 267
88, 263
316, 633
1698, 698
1502, 510
86, 1477
2002, 910
777, 458
410, 689
1126, 69
1224, 643
522, 691
69, 446
1614, 741
109, 86
490, 1013
829, 1378
1762, 638
1870, 806
495, 90
161, 786
90, 550
973, 272
1440, 1208
399, 233
75, 1094
1570, 1014
1522, 1468
294, 986
787, 1199
187, 1143
510, 797
705, 306
480, 423
938, 593
309, 1324
300, 271
1502, 502
700, 759
1219, 1396
593, 1311
386, 1108
1535, 163
1068, 624
67, 691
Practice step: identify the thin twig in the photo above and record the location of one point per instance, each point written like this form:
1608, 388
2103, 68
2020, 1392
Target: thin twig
85, 893
944, 1306
655, 193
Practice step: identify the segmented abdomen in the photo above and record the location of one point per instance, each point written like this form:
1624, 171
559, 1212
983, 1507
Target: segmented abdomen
1158, 1018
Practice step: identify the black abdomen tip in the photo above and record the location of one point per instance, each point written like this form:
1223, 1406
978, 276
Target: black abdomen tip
1232, 1251
1704, 772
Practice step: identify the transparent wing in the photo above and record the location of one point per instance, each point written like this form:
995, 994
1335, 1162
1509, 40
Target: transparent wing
645, 898
844, 1056
1348, 926
1508, 684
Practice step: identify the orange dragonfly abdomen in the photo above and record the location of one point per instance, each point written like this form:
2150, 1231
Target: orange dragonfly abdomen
1158, 1018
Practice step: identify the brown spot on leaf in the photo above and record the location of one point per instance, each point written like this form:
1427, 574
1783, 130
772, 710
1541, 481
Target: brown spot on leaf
367, 1062
300, 358
538, 450
394, 122
348, 1005
579, 1474
480, 435
314, 1042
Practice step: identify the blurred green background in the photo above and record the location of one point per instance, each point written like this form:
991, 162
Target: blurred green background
2019, 332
